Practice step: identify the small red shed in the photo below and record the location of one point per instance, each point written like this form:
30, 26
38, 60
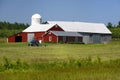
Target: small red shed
20, 37
61, 36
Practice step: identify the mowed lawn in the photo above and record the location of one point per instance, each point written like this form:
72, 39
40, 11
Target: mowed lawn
62, 52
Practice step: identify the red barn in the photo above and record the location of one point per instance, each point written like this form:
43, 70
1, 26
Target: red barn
28, 34
63, 31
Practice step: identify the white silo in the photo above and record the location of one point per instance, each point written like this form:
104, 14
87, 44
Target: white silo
36, 19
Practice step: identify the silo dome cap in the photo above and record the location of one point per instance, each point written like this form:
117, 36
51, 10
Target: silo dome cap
36, 16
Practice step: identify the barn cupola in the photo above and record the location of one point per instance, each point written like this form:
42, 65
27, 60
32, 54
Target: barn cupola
36, 19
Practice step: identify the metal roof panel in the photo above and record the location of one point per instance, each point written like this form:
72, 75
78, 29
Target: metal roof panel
62, 33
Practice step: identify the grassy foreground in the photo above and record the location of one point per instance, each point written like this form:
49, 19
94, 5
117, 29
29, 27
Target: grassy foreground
60, 61
58, 52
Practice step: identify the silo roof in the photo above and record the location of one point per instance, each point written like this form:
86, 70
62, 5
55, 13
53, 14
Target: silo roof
36, 16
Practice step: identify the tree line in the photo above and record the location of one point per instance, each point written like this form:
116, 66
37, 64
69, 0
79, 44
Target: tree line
115, 29
12, 26
7, 29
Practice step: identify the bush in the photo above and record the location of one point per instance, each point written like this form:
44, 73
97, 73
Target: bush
17, 65
71, 63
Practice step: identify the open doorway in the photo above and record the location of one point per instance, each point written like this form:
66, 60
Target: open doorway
18, 39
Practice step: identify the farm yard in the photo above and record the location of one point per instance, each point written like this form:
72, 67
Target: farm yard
81, 43
18, 61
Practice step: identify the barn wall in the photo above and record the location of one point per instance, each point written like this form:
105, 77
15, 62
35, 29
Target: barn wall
24, 37
91, 38
67, 39
34, 35
105, 38
80, 39
73, 39
70, 39
50, 37
87, 38
56, 28
38, 35
96, 38
13, 37
60, 39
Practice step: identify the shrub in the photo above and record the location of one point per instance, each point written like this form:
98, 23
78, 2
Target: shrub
17, 65
7, 64
71, 63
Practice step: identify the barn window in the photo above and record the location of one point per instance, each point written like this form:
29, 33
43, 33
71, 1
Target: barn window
56, 26
50, 38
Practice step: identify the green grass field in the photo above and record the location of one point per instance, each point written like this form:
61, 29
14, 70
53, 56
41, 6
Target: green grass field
58, 52
54, 57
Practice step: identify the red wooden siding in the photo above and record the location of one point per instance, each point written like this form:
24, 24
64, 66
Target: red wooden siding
50, 37
56, 28
38, 35
22, 35
46, 37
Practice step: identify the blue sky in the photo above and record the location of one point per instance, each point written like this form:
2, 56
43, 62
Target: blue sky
100, 11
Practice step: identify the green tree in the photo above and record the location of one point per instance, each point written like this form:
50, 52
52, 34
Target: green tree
118, 24
7, 29
109, 25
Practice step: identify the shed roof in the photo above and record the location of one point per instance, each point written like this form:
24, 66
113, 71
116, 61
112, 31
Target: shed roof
62, 33
82, 27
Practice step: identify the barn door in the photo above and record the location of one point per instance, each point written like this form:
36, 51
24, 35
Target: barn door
30, 37
86, 39
18, 39
96, 38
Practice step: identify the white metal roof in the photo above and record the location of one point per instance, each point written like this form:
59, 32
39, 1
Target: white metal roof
62, 33
82, 27
71, 27
38, 28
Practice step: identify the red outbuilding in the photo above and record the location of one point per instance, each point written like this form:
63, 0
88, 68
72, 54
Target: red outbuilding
61, 36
